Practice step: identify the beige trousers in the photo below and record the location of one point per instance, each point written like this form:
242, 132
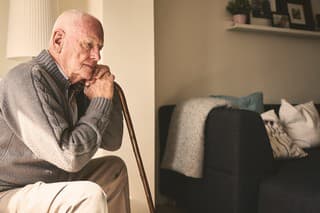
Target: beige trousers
101, 186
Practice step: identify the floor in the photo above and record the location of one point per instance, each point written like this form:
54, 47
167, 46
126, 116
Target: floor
169, 209
165, 206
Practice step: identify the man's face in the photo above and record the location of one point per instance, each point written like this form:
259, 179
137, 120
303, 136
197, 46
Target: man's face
81, 51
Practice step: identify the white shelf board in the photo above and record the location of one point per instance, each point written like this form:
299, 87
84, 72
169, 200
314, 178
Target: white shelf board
274, 30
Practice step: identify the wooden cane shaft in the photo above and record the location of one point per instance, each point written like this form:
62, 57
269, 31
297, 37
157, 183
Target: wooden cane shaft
135, 147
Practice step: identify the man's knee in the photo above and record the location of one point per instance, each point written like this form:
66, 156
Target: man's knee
92, 189
74, 196
88, 190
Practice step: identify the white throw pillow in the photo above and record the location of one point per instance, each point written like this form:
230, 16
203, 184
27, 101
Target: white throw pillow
281, 144
301, 122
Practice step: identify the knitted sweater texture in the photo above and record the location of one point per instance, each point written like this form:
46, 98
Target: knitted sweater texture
39, 139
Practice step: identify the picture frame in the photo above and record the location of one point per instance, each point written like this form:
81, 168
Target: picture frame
281, 6
260, 9
300, 14
280, 20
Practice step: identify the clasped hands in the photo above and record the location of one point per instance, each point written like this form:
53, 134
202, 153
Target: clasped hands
101, 83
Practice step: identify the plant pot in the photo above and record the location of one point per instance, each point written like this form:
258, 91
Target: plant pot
239, 19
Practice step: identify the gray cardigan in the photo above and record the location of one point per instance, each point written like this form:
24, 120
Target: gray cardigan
38, 140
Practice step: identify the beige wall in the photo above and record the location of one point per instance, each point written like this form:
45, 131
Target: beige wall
129, 50
196, 56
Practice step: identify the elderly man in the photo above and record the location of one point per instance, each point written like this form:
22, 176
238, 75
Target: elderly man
56, 111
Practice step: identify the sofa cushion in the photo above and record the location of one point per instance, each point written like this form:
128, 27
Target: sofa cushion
302, 123
294, 188
294, 193
309, 164
282, 145
253, 102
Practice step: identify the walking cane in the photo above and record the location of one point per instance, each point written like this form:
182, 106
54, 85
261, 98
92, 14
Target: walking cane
135, 147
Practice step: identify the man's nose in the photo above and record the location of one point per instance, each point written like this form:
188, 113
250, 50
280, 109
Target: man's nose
95, 54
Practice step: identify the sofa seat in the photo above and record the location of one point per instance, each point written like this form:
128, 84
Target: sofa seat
240, 173
295, 186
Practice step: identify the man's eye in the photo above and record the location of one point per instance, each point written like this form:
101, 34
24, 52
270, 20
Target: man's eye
88, 45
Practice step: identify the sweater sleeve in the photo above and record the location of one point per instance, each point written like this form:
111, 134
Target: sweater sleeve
36, 112
112, 136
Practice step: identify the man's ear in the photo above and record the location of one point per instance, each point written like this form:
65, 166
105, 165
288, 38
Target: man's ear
57, 40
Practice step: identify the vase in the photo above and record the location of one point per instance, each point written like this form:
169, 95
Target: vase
239, 18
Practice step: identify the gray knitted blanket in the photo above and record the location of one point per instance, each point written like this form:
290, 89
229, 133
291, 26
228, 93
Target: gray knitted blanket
185, 143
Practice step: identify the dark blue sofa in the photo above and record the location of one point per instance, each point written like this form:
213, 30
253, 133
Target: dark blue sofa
240, 174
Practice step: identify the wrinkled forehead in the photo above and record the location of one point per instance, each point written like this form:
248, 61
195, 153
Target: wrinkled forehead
88, 28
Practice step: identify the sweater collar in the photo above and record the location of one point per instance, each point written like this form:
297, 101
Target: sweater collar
45, 60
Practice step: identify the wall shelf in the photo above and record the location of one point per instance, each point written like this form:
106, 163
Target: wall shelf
273, 30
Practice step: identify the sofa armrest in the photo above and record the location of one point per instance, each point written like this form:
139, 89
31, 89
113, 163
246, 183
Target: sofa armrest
237, 156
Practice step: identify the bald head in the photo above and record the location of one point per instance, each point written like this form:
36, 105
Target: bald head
74, 20
75, 44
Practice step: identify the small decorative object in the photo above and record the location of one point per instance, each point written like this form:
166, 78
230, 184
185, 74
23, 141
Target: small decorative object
239, 18
273, 5
281, 6
261, 9
239, 7
261, 12
300, 14
280, 20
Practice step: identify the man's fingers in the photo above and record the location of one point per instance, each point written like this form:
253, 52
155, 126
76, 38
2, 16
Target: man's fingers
106, 76
101, 70
111, 76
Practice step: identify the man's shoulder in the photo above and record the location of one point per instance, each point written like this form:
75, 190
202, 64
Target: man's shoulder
23, 75
28, 70
23, 70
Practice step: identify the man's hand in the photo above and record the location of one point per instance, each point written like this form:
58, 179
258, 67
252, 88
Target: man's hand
101, 83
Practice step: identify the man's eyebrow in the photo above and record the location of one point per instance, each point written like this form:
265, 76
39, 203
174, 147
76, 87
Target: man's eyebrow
92, 41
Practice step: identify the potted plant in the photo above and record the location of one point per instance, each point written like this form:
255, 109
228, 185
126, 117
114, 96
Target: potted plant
239, 10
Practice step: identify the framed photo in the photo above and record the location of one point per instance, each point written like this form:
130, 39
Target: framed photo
281, 6
261, 9
280, 20
300, 14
